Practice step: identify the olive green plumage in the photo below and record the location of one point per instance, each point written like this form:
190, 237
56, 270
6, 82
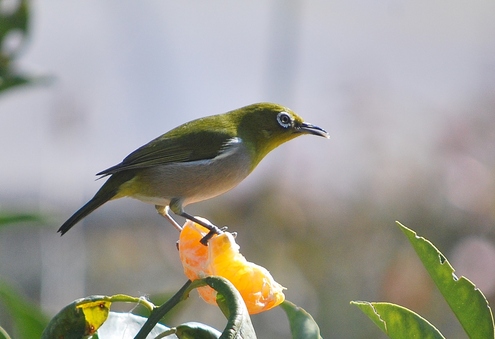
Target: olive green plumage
199, 159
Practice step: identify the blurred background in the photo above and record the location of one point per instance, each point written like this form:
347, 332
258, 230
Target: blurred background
406, 90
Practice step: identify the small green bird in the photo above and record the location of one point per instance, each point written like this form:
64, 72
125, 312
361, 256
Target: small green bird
198, 160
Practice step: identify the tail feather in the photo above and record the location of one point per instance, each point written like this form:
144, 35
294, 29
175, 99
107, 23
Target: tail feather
108, 191
90, 206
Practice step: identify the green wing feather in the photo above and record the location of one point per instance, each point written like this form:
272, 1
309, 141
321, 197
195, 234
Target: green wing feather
197, 140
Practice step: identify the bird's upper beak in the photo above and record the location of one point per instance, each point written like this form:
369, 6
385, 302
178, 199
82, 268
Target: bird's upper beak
308, 128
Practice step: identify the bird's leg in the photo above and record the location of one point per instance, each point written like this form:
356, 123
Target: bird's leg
176, 207
213, 229
164, 211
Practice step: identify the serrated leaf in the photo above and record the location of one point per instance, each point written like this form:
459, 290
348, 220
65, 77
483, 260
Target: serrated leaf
466, 301
302, 324
398, 322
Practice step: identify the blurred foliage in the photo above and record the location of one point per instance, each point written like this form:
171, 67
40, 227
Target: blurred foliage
28, 321
14, 31
26, 317
7, 219
13, 26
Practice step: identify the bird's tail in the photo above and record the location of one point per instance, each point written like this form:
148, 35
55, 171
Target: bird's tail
108, 191
98, 200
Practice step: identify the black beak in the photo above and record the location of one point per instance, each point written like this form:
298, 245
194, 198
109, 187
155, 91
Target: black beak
308, 128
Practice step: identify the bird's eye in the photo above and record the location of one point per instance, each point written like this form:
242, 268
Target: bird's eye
284, 119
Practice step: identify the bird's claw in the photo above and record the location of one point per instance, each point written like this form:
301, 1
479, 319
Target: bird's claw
214, 230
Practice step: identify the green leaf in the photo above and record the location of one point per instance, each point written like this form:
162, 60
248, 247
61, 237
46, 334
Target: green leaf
28, 319
239, 324
398, 322
194, 330
466, 301
85, 316
302, 324
71, 323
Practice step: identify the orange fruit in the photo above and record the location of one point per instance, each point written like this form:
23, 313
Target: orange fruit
222, 258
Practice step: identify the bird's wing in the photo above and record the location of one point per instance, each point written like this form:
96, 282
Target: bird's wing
169, 148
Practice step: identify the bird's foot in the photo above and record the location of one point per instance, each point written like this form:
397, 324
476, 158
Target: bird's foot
165, 212
212, 229
207, 237
211, 233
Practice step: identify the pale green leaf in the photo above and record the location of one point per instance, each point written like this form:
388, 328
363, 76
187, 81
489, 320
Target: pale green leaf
466, 301
398, 322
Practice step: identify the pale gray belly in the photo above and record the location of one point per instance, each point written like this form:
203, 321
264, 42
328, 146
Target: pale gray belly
193, 181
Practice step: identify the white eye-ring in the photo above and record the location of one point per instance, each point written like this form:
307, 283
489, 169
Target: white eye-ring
284, 119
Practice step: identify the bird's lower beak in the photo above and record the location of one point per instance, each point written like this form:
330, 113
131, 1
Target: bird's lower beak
308, 128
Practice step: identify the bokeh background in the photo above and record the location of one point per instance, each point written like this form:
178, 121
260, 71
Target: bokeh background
406, 90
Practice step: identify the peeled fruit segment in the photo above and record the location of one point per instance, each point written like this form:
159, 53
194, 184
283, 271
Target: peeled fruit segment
222, 258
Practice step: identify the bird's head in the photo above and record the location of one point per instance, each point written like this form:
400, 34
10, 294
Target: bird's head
265, 126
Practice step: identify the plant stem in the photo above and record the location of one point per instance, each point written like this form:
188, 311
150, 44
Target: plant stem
160, 312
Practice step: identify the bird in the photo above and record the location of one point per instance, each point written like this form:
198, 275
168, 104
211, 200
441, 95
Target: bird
198, 160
